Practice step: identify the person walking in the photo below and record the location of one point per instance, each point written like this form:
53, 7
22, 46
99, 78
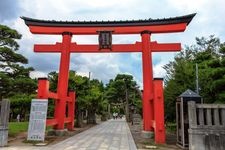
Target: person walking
18, 118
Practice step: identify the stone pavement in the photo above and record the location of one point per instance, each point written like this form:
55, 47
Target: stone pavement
110, 135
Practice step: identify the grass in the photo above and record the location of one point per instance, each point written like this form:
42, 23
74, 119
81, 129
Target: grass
17, 127
171, 127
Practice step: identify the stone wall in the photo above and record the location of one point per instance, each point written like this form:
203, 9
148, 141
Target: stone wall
206, 126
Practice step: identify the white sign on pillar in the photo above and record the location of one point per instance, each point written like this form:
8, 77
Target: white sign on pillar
37, 122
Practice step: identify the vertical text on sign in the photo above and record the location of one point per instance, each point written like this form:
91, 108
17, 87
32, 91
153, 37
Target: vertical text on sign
105, 39
37, 122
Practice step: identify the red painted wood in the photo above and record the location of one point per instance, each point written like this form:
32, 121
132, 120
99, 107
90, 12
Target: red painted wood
116, 48
63, 80
165, 47
51, 122
167, 28
53, 95
71, 110
43, 87
147, 82
68, 99
159, 129
67, 120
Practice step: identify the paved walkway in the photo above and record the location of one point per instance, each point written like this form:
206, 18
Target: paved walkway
110, 135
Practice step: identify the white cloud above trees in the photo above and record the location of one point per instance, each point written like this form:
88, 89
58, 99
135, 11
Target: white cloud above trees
209, 20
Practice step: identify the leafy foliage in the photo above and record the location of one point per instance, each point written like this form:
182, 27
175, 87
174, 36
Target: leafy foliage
93, 97
208, 53
89, 94
20, 104
14, 77
123, 90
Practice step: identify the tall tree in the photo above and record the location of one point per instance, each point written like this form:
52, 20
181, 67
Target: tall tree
94, 100
14, 77
89, 95
210, 59
208, 53
123, 91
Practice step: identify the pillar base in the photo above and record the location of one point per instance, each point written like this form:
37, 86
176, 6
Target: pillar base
147, 134
3, 136
58, 132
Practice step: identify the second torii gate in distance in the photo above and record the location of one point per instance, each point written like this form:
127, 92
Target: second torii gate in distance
153, 101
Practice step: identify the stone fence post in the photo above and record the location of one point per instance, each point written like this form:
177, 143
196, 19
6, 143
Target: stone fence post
4, 119
206, 126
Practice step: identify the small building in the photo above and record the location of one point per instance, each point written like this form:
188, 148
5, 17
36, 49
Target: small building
182, 116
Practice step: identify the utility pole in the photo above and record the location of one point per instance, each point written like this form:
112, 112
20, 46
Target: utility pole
197, 85
89, 87
89, 78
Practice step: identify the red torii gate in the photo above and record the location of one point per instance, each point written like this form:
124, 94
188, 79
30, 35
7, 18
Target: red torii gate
153, 101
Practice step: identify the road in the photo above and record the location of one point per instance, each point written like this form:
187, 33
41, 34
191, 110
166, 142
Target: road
110, 135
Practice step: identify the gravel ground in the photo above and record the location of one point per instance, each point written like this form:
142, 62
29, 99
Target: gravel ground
146, 144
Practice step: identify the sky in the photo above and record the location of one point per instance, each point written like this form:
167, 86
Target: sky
208, 21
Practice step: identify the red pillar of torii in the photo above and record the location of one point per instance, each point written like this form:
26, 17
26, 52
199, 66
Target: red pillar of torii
153, 104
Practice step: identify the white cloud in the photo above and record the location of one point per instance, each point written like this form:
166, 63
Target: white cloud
38, 74
101, 66
159, 72
209, 20
164, 58
83, 74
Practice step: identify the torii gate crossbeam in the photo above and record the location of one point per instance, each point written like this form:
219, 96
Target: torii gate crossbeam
116, 48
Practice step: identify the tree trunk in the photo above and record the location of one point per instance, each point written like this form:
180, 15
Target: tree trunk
79, 119
23, 114
127, 107
139, 92
124, 109
109, 111
91, 118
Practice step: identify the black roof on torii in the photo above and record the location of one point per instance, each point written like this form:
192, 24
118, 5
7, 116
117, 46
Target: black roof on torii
147, 22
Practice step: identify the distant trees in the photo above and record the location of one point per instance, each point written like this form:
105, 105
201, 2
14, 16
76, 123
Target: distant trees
89, 95
93, 97
123, 90
209, 54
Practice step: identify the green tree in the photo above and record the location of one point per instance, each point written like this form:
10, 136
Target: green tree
94, 100
89, 95
20, 104
123, 91
208, 53
210, 59
14, 77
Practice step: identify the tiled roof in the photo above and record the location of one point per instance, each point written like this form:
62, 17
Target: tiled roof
147, 22
189, 93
